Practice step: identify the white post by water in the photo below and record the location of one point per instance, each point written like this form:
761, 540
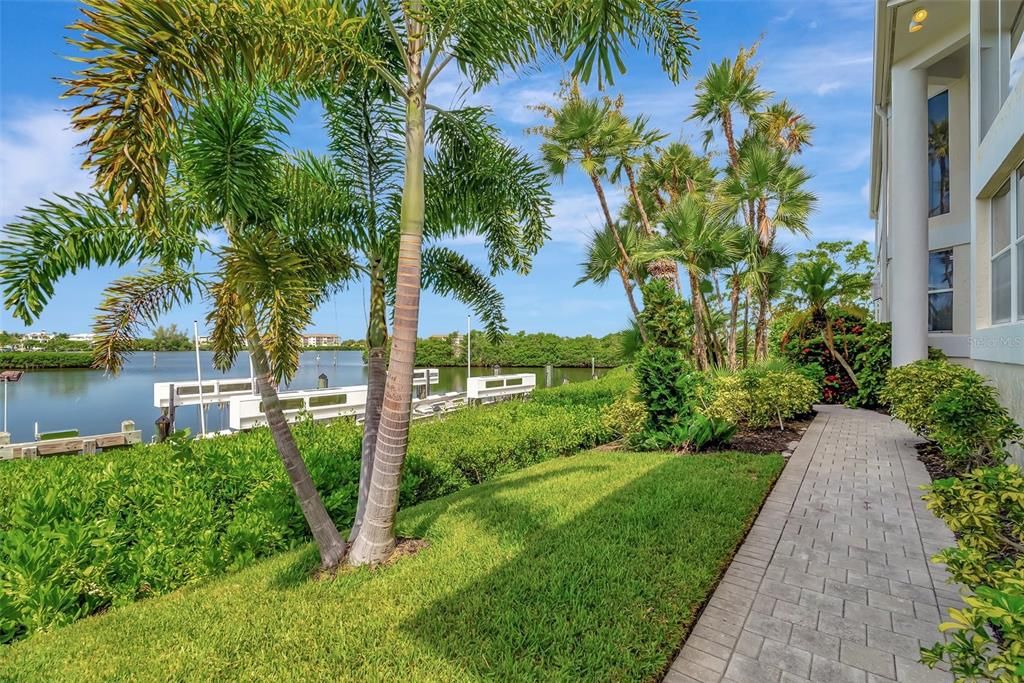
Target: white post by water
5, 407
469, 346
199, 376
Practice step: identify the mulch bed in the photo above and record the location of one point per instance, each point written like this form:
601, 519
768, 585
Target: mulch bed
404, 547
770, 439
931, 458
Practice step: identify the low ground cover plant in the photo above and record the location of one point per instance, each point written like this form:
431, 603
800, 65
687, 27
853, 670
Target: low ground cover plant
539, 575
81, 534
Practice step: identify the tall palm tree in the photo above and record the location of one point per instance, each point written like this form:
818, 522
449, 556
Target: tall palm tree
138, 77
771, 190
781, 124
476, 183
819, 286
728, 88
632, 147
603, 258
703, 241
229, 175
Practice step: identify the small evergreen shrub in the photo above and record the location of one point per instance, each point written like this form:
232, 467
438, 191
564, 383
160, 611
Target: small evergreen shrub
954, 407
985, 508
759, 397
625, 417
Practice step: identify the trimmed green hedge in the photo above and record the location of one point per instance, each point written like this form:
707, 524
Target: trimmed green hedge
36, 360
79, 534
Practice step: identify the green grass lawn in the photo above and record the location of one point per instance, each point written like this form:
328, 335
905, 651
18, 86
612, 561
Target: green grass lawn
581, 568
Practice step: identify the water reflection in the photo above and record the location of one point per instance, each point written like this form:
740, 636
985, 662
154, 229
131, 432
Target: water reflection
95, 403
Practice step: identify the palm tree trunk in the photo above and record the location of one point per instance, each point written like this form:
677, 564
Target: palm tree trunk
664, 269
596, 180
730, 139
376, 537
829, 338
700, 352
332, 546
760, 338
376, 376
734, 305
746, 327
628, 286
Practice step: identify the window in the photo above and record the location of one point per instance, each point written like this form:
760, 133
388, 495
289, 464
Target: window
1007, 238
940, 291
938, 154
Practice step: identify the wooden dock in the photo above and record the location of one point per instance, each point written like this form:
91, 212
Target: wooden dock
72, 445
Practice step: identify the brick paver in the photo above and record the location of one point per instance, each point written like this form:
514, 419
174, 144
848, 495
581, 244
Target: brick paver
833, 583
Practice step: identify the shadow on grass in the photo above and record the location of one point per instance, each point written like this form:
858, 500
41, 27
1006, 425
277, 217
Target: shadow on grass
607, 595
304, 565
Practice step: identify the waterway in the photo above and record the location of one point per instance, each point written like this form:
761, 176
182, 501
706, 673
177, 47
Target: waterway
95, 403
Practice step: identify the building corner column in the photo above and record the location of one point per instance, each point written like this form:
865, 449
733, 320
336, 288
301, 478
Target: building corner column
909, 224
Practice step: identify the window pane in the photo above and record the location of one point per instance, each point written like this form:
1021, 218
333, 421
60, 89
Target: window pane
940, 312
1020, 202
1001, 288
1016, 42
1001, 219
940, 269
938, 154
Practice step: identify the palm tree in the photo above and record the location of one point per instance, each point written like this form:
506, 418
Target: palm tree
603, 257
134, 90
702, 241
819, 286
788, 129
771, 190
674, 171
632, 146
475, 184
229, 174
729, 88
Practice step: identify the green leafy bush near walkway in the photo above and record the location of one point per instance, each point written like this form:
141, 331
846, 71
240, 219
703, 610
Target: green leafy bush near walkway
985, 508
588, 568
79, 534
759, 396
41, 360
954, 407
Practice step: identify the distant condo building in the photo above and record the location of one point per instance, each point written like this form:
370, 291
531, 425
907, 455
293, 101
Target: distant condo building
318, 340
947, 183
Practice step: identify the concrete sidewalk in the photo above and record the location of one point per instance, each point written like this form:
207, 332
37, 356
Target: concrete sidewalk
833, 582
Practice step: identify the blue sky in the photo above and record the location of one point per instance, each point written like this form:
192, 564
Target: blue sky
817, 54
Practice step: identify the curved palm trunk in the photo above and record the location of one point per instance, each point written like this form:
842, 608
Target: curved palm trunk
700, 351
830, 342
734, 310
628, 286
663, 269
332, 546
746, 327
760, 330
376, 376
376, 538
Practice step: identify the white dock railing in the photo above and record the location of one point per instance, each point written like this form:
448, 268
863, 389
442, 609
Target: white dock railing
494, 387
424, 377
214, 391
246, 412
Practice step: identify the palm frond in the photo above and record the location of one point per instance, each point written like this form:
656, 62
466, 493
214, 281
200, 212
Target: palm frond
448, 273
135, 301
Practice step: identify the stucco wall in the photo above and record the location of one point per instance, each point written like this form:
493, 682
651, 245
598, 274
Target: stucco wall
1008, 378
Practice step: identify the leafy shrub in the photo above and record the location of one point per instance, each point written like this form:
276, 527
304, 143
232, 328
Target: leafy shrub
954, 407
985, 509
695, 433
625, 417
80, 534
759, 396
595, 393
667, 385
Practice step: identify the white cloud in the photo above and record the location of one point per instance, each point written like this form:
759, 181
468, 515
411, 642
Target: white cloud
827, 87
38, 157
576, 216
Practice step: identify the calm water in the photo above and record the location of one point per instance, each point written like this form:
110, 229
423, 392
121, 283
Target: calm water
94, 403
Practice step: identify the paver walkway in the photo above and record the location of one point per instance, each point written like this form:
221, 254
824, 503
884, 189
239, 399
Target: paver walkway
833, 582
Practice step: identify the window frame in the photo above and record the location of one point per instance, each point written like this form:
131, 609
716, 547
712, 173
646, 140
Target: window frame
1012, 250
942, 290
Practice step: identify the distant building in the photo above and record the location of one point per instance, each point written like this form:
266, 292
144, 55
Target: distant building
82, 336
318, 339
40, 336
